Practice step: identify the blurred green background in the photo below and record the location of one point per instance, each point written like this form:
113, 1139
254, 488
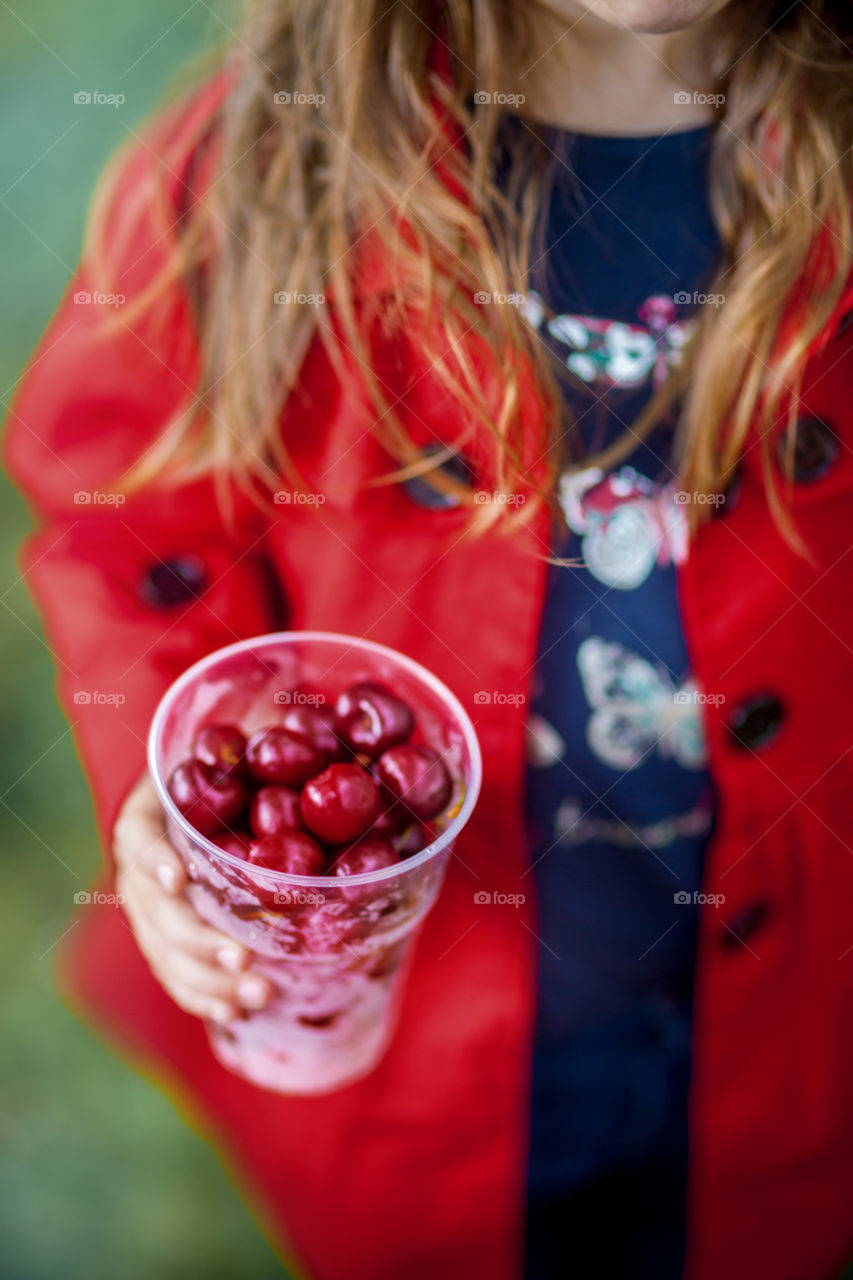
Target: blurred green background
98, 1175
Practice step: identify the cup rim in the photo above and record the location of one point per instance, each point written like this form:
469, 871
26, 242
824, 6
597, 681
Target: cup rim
268, 639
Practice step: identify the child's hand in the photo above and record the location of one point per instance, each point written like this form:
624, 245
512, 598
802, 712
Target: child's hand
199, 967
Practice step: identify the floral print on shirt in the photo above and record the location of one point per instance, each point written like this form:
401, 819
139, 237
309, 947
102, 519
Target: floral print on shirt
610, 353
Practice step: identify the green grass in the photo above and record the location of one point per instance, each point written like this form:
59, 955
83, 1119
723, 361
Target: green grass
99, 1177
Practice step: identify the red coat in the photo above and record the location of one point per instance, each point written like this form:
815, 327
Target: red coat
419, 1169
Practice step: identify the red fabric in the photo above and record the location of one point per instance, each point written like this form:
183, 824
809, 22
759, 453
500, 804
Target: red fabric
420, 1167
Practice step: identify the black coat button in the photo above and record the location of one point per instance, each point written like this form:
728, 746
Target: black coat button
744, 924
815, 449
170, 583
729, 495
755, 723
844, 323
425, 494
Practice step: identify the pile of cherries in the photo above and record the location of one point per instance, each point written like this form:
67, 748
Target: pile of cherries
336, 791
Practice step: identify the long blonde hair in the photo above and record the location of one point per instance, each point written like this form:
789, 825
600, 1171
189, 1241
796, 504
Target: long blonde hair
371, 140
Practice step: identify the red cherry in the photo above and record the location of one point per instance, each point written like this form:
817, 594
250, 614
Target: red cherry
370, 718
221, 745
317, 726
275, 809
412, 840
367, 854
209, 800
340, 803
279, 756
292, 853
391, 822
417, 776
234, 842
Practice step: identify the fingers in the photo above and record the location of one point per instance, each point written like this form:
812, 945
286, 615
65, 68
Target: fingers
200, 967
155, 877
200, 988
176, 921
139, 839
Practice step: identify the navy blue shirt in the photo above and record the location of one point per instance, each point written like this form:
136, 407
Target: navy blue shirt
619, 800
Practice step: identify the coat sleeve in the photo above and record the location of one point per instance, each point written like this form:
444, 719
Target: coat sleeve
131, 589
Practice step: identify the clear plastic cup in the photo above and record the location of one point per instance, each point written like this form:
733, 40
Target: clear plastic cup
336, 950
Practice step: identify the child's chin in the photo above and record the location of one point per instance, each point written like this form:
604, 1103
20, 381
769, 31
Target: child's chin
653, 17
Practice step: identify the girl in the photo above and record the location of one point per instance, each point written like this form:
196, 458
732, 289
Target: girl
516, 337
